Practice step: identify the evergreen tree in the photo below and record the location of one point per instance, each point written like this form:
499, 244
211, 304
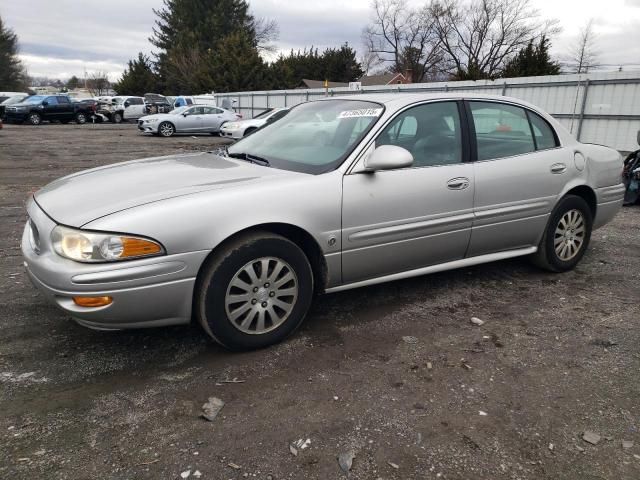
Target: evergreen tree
532, 60
191, 32
12, 72
73, 83
334, 64
138, 78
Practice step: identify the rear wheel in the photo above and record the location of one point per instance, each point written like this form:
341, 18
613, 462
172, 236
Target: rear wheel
117, 117
166, 129
567, 235
255, 292
35, 118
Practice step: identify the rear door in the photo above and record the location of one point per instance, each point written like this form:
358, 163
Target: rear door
405, 219
66, 109
520, 170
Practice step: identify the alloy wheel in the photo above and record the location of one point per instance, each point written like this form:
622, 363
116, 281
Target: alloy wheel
569, 235
261, 295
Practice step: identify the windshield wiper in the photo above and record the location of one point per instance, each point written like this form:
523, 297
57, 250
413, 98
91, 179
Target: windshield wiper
250, 158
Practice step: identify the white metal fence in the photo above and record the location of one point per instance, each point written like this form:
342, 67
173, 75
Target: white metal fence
599, 108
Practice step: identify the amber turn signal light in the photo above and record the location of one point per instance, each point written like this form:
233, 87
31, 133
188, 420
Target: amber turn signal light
92, 301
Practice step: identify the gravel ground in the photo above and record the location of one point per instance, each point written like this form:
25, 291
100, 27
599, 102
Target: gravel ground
395, 374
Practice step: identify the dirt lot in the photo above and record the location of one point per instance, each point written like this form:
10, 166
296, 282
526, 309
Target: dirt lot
557, 356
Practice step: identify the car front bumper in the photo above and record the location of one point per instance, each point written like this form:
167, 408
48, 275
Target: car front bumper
148, 292
10, 116
234, 134
148, 127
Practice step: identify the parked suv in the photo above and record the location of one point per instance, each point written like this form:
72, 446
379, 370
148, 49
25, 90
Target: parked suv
121, 107
37, 108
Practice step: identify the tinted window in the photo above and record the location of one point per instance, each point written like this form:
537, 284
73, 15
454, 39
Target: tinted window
501, 130
189, 101
52, 100
196, 111
430, 132
208, 110
545, 138
62, 100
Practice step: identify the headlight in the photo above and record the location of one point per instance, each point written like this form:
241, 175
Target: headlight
152, 120
92, 247
231, 126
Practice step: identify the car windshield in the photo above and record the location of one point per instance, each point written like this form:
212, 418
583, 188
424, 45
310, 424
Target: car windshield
14, 99
263, 114
313, 137
34, 99
179, 110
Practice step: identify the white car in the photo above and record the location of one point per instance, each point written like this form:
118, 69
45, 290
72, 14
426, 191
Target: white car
237, 130
190, 119
121, 107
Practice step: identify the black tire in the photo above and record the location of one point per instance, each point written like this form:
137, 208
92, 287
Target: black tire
116, 117
214, 281
547, 257
166, 129
81, 118
34, 118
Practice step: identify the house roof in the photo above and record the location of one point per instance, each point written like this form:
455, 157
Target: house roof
382, 79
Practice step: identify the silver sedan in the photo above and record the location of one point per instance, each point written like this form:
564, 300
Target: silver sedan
190, 119
401, 185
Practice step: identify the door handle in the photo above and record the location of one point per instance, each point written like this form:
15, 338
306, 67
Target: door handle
458, 183
558, 168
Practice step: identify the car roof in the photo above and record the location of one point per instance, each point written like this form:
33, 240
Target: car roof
401, 99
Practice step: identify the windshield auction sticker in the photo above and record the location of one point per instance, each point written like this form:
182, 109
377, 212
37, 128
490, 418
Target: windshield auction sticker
364, 112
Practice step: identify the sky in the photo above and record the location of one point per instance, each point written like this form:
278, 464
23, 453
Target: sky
60, 38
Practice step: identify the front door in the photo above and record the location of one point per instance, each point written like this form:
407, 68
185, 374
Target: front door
520, 171
192, 122
405, 219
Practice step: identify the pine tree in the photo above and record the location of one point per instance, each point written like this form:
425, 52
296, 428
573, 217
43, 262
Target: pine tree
12, 72
138, 78
532, 60
73, 83
191, 32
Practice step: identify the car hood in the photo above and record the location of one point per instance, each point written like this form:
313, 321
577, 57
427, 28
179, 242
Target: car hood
80, 198
160, 116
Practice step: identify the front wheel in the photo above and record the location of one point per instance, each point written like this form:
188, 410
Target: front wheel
567, 235
117, 117
81, 118
166, 129
255, 292
35, 118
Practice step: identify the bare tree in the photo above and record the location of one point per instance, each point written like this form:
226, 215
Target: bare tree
98, 83
267, 32
583, 54
403, 38
480, 36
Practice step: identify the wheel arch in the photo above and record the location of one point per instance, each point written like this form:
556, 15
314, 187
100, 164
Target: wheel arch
587, 194
302, 238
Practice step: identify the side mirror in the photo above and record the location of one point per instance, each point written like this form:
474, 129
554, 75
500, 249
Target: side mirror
126, 104
185, 114
45, 103
388, 157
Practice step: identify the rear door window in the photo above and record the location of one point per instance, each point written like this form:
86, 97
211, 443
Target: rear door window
52, 100
501, 130
542, 131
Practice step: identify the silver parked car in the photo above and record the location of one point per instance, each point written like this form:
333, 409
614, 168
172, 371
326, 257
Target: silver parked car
402, 185
188, 119
240, 128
